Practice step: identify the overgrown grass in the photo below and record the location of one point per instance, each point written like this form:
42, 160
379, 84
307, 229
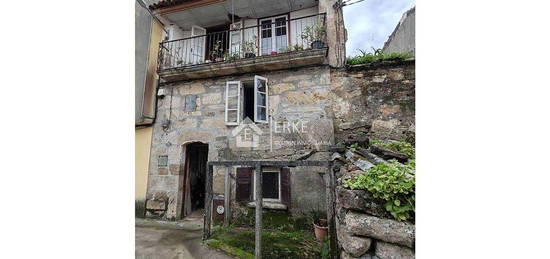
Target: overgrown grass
377, 55
239, 242
279, 220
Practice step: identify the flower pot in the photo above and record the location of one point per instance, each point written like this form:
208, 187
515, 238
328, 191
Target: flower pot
249, 55
219, 59
317, 44
273, 52
320, 231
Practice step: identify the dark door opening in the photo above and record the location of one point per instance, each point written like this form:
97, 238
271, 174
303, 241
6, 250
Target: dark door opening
197, 157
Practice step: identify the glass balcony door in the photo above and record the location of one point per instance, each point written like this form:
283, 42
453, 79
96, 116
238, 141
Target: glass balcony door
273, 33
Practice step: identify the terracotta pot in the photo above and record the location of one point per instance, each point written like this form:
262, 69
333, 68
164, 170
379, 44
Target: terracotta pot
321, 232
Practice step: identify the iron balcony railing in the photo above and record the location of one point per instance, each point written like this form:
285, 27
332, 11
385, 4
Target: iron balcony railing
270, 37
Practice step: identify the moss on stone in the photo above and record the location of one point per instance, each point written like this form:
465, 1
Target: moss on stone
230, 250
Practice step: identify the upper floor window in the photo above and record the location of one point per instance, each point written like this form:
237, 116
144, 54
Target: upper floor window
246, 99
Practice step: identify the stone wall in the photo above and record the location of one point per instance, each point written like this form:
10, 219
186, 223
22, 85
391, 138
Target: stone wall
365, 230
376, 99
379, 101
336, 104
194, 111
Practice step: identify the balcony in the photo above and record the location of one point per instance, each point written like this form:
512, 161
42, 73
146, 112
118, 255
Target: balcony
275, 43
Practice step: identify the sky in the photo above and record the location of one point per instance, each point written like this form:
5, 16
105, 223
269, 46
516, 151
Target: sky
370, 23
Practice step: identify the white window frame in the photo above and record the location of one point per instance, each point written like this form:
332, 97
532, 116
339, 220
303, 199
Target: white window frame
238, 103
273, 37
267, 170
256, 99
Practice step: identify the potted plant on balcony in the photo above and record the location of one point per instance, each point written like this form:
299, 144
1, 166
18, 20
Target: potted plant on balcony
315, 34
215, 53
250, 47
230, 56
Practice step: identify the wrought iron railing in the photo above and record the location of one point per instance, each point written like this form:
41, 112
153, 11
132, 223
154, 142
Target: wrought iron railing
270, 37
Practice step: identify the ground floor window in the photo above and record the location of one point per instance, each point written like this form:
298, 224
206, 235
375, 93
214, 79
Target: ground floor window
271, 188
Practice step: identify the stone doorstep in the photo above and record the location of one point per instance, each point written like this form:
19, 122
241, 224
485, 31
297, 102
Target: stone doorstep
268, 205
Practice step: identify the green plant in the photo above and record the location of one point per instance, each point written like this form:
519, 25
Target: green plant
315, 32
394, 183
216, 51
250, 46
376, 55
398, 146
325, 249
354, 147
298, 47
317, 217
230, 56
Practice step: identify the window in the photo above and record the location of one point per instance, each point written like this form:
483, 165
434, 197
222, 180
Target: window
275, 185
273, 35
254, 103
232, 102
260, 99
163, 161
271, 187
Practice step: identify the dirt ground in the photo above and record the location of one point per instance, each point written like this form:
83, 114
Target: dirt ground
174, 240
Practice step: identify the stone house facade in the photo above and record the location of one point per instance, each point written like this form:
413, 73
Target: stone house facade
301, 99
283, 89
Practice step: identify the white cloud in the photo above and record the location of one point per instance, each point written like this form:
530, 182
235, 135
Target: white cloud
370, 23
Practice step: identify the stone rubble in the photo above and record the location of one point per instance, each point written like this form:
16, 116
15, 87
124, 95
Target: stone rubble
364, 228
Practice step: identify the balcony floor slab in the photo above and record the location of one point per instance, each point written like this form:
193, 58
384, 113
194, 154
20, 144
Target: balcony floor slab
246, 65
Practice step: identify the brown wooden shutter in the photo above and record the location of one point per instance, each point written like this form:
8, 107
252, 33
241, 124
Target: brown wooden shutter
244, 183
285, 186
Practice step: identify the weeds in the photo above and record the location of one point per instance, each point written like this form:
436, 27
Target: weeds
377, 55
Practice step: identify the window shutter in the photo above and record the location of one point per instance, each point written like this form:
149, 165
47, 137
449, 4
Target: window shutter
244, 183
261, 99
232, 102
285, 186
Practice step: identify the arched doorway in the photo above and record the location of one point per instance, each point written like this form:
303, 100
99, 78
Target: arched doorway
194, 179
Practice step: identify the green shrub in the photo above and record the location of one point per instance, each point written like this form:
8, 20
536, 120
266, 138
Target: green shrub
398, 146
393, 182
378, 55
